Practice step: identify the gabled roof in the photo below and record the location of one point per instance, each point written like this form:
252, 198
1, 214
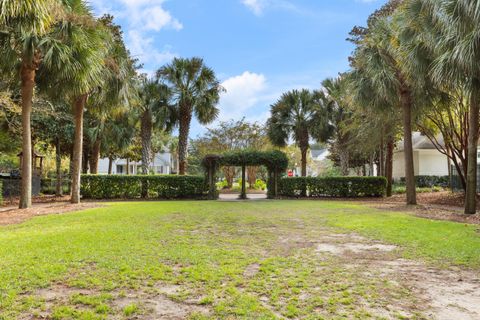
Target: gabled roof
421, 142
319, 154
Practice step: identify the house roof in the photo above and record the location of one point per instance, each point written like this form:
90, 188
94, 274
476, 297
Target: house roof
319, 154
421, 142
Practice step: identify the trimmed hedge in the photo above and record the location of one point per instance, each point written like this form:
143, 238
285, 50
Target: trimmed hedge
348, 187
430, 181
140, 186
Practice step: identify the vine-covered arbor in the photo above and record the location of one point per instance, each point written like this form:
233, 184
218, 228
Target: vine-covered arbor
275, 161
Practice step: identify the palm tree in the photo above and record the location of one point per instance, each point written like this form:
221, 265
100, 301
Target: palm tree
449, 29
195, 91
379, 66
82, 73
339, 115
301, 115
118, 91
155, 110
26, 44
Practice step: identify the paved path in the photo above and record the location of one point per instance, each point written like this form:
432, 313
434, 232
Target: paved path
234, 196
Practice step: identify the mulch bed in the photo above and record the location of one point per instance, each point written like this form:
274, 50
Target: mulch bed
14, 215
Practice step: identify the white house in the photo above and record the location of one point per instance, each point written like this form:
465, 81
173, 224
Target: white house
427, 160
162, 163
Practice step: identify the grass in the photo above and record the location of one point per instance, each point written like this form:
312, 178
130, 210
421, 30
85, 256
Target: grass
95, 258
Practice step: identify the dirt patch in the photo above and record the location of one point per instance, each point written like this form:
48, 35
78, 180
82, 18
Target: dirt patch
451, 294
15, 216
342, 248
251, 270
156, 305
448, 294
428, 211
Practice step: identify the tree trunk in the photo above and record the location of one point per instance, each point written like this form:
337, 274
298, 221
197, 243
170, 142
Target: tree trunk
343, 162
381, 155
229, 173
79, 106
27, 74
304, 151
146, 135
389, 165
252, 176
184, 129
243, 195
128, 166
408, 147
85, 158
95, 156
58, 164
110, 165
473, 126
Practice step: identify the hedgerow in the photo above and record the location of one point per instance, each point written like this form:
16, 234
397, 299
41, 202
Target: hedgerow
315, 187
430, 181
142, 186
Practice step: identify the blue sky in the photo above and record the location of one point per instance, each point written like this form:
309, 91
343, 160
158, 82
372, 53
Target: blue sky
258, 48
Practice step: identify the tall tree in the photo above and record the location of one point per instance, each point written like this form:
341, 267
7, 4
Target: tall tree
380, 64
118, 91
195, 92
155, 109
301, 115
89, 42
27, 44
340, 116
449, 30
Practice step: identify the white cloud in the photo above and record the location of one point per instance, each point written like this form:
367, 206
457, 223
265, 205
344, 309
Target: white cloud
156, 18
242, 93
142, 19
143, 48
259, 6
255, 5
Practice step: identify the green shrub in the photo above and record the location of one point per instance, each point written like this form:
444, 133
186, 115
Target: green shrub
49, 186
138, 186
430, 181
222, 185
317, 187
401, 189
260, 185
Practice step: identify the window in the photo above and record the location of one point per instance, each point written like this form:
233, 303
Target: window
119, 169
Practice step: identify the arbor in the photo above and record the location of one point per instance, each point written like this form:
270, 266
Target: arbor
27, 44
301, 115
232, 136
195, 92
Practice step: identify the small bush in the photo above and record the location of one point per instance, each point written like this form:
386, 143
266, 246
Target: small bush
260, 185
317, 187
138, 186
430, 181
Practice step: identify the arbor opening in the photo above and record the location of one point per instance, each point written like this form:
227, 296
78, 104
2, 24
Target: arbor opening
275, 161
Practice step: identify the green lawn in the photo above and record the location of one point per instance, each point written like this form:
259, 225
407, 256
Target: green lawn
254, 260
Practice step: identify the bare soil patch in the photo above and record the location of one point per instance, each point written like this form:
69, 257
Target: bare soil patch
448, 293
152, 304
13, 215
429, 211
